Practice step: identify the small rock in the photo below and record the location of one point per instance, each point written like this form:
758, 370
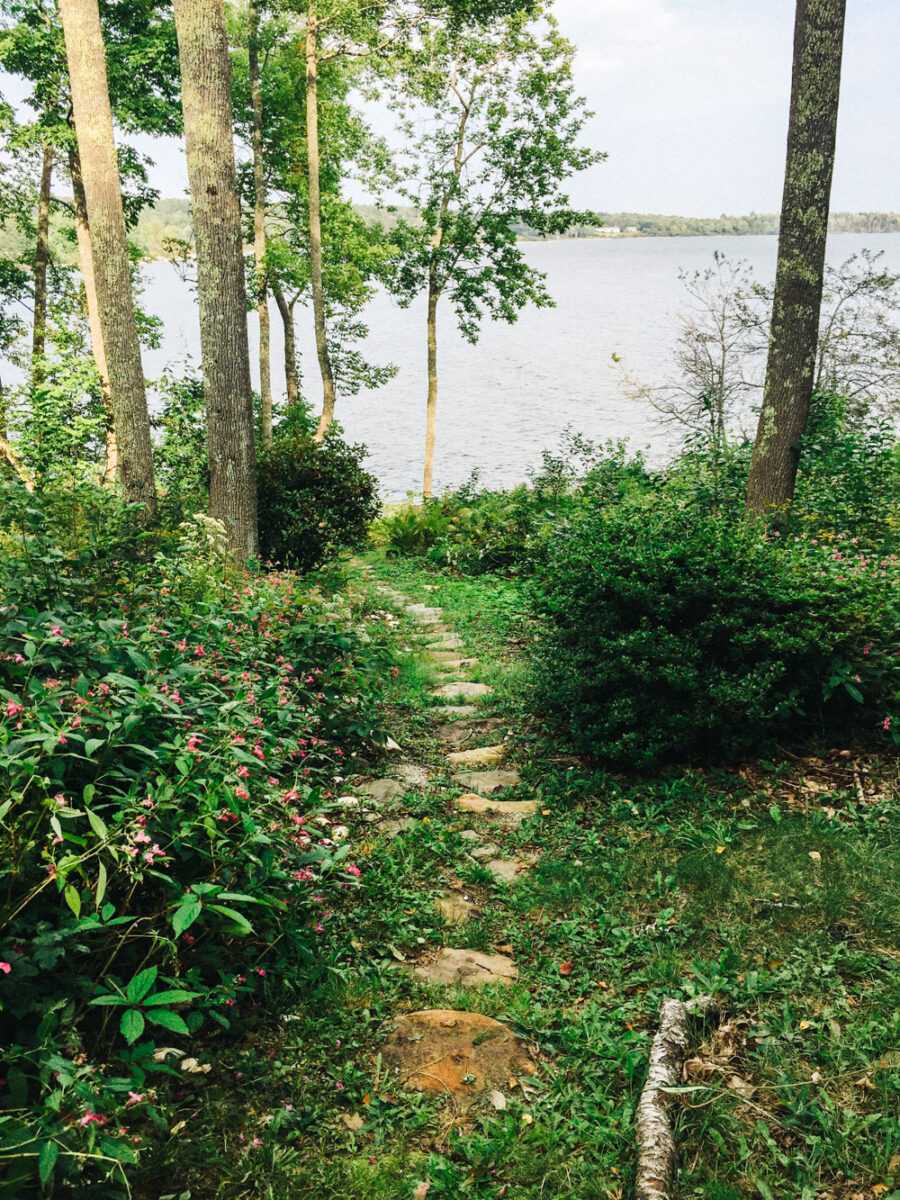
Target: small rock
488, 781
514, 809
498, 1100
454, 909
383, 791
470, 835
461, 687
505, 870
412, 774
488, 850
487, 756
437, 1049
468, 968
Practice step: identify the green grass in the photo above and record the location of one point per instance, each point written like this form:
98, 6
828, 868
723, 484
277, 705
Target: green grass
687, 883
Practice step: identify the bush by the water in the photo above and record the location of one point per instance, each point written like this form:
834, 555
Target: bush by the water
672, 634
168, 731
314, 499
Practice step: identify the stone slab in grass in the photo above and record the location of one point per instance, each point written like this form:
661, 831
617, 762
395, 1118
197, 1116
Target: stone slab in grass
436, 1049
383, 791
412, 774
505, 870
486, 851
454, 665
424, 613
486, 756
455, 909
486, 782
461, 687
447, 656
514, 810
468, 968
459, 732
443, 639
454, 710
396, 826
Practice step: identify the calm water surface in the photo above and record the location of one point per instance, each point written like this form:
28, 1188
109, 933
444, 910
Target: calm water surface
509, 397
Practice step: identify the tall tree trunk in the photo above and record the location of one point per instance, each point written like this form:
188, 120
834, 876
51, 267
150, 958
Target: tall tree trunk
315, 220
100, 171
221, 286
291, 374
431, 423
790, 372
86, 261
259, 226
41, 264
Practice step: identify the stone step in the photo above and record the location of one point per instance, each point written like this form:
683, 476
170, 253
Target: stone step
453, 665
424, 613
454, 710
458, 732
447, 656
486, 782
486, 756
461, 687
454, 908
514, 809
436, 1050
468, 968
412, 774
506, 870
445, 640
383, 791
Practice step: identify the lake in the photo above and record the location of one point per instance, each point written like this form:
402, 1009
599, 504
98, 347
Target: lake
510, 396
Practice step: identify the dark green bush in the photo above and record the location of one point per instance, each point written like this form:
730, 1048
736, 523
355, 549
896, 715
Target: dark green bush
675, 635
314, 499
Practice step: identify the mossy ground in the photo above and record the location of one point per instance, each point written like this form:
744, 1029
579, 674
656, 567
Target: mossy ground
773, 885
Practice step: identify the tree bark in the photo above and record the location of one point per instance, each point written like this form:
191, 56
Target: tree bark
291, 374
115, 302
259, 225
790, 371
221, 286
86, 261
431, 420
315, 221
41, 265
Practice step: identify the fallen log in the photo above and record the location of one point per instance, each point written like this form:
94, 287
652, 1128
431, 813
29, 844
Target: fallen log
653, 1129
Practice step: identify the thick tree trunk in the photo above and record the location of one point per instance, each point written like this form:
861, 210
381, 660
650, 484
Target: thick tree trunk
41, 264
86, 261
259, 226
115, 302
291, 374
315, 221
222, 292
431, 421
815, 92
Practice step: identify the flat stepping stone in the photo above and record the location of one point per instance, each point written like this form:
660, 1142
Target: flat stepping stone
468, 968
424, 613
447, 656
455, 909
461, 687
383, 791
487, 756
457, 732
486, 851
436, 1049
488, 781
512, 810
505, 870
454, 665
396, 826
412, 774
455, 710
445, 641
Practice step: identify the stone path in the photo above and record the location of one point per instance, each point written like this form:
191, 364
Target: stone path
444, 1050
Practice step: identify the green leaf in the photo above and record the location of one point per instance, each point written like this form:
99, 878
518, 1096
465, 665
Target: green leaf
88, 792
101, 885
47, 1156
173, 996
30, 649
72, 897
132, 1025
185, 915
98, 826
239, 919
93, 744
109, 998
183, 766
168, 1020
141, 984
113, 1148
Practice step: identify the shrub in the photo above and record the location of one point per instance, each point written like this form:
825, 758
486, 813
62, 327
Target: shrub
314, 499
672, 635
165, 753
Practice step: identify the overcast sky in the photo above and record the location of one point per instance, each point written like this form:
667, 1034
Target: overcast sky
691, 101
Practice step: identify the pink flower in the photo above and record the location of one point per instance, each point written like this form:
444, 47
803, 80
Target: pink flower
243, 771
353, 869
5, 968
90, 1117
887, 723
134, 1098
13, 708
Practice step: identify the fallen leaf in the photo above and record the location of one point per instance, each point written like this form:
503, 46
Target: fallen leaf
422, 1190
505, 948
367, 1099
527, 1119
353, 1121
566, 969
498, 1100
720, 849
736, 1084
815, 855
804, 1025
866, 1084
178, 1126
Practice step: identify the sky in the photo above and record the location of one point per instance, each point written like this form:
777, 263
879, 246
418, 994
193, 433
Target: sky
691, 102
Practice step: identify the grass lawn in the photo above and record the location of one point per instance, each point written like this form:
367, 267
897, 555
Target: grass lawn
773, 885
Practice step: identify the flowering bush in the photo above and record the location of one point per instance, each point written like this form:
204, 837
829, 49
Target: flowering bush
166, 755
675, 635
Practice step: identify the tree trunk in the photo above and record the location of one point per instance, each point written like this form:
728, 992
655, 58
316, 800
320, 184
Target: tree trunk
815, 91
41, 264
315, 221
115, 302
291, 374
86, 260
259, 225
433, 297
221, 287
